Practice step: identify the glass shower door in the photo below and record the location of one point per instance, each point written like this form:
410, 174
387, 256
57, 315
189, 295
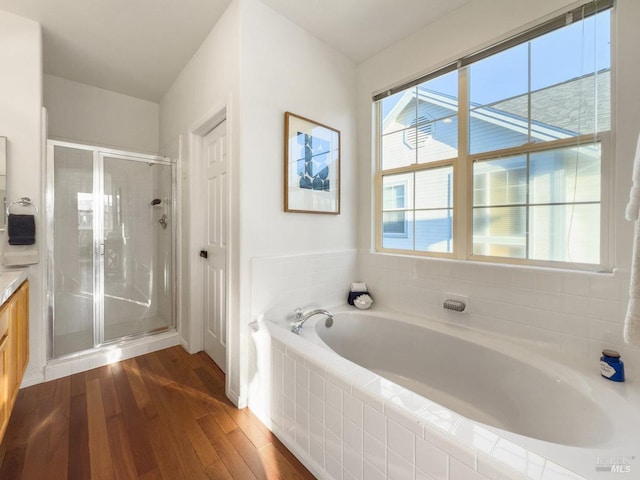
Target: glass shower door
73, 239
110, 234
137, 231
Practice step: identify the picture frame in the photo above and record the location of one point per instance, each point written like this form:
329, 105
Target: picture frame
311, 166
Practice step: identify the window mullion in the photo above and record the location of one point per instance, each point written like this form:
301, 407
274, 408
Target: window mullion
377, 240
463, 181
413, 175
530, 139
413, 210
527, 208
529, 120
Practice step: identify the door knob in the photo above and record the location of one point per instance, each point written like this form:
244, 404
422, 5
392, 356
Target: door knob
204, 254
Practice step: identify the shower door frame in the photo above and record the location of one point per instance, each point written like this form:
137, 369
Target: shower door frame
98, 155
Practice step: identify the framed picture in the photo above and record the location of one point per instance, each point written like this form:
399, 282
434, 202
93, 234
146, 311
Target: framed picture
311, 166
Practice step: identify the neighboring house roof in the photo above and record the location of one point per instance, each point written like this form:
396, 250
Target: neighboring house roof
558, 111
553, 105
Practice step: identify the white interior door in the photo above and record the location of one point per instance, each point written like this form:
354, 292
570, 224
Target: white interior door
215, 163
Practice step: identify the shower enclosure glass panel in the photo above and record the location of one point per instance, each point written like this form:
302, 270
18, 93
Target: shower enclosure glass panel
111, 272
73, 250
137, 247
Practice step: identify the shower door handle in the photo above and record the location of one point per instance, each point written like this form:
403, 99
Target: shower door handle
101, 249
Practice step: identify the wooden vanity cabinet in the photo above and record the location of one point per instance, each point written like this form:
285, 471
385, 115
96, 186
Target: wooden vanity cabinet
4, 356
14, 350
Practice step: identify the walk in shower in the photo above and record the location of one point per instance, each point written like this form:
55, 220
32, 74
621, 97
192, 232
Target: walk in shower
110, 243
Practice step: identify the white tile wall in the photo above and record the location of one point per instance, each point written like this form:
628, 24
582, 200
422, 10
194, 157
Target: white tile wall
352, 435
573, 314
431, 458
400, 440
397, 467
375, 423
375, 453
353, 409
460, 471
372, 473
281, 284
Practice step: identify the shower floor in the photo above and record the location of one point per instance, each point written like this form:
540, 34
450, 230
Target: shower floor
77, 341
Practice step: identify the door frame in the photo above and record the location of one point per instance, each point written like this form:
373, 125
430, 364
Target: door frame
197, 199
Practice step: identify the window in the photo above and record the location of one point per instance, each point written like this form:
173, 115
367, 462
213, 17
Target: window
395, 224
503, 155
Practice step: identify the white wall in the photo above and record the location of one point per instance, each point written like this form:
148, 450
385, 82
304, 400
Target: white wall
259, 65
87, 114
208, 84
284, 68
577, 313
20, 122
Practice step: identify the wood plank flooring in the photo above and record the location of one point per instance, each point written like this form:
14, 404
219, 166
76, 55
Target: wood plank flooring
163, 415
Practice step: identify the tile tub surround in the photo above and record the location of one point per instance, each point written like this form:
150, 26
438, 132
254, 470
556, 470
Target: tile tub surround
572, 314
280, 284
345, 422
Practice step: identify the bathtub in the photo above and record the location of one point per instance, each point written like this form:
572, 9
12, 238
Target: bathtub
394, 396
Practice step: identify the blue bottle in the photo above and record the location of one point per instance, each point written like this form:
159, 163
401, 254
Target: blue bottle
611, 366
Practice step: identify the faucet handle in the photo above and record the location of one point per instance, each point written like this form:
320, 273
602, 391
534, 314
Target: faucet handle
299, 311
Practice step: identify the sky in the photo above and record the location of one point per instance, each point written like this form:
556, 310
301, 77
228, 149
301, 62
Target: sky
552, 58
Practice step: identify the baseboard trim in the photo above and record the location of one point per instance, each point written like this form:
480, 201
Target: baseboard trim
59, 368
31, 380
185, 345
237, 400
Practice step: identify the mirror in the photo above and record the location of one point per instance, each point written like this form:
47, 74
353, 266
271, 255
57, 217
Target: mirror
3, 182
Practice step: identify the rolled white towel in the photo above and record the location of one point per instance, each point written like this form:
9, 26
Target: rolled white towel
359, 287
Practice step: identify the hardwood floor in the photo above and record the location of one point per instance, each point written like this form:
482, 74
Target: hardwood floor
163, 415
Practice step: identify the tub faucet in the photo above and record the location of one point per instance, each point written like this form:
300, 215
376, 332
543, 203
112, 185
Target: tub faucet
302, 317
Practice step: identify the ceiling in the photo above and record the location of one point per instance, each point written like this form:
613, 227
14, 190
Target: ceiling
135, 47
361, 28
138, 47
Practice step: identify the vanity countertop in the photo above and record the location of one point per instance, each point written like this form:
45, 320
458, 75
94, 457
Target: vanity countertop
10, 280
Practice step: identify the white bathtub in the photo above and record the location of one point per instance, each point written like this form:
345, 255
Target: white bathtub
443, 402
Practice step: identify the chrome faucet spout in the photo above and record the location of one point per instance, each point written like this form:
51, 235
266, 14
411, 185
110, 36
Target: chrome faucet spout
303, 317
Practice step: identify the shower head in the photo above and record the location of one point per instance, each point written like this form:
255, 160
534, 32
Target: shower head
155, 201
